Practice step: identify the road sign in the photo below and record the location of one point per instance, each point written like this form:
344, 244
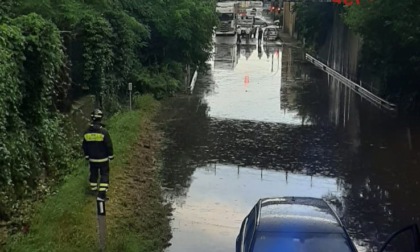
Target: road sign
130, 87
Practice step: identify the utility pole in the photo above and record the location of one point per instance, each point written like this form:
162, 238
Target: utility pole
130, 87
101, 213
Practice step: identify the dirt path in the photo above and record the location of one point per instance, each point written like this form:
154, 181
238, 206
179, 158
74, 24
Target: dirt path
137, 204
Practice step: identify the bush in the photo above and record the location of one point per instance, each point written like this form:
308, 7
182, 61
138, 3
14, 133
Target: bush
144, 102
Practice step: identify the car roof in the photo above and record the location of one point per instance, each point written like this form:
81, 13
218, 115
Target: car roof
297, 214
261, 17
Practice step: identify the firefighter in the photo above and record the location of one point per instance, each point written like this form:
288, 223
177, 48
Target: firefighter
260, 34
98, 150
239, 34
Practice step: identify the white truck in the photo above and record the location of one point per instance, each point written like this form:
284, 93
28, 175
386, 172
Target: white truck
254, 11
247, 25
228, 18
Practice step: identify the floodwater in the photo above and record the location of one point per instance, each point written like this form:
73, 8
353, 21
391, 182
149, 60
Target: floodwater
263, 122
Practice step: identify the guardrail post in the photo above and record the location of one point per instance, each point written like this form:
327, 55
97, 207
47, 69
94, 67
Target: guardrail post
101, 213
193, 81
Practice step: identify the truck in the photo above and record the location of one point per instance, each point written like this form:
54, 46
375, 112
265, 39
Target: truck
254, 11
228, 18
245, 7
247, 25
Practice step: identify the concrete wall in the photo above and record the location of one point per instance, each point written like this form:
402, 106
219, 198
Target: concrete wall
289, 19
341, 49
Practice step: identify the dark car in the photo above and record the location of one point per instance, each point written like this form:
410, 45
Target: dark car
290, 224
293, 224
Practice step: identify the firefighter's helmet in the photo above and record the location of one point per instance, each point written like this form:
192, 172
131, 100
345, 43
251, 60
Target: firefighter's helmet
96, 115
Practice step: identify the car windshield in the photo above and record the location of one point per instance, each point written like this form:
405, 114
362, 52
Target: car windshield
271, 31
226, 16
300, 242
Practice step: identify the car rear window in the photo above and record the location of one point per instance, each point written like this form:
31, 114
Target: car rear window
289, 242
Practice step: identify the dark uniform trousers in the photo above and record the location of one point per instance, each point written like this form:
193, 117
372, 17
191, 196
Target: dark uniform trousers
99, 171
97, 147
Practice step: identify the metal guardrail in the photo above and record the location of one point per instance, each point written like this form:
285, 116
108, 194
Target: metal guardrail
194, 79
364, 93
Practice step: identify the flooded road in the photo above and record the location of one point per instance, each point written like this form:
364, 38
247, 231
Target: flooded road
262, 122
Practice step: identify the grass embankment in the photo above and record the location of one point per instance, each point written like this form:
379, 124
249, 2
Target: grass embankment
136, 218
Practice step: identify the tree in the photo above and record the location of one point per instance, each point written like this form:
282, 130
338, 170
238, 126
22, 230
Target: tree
314, 20
390, 45
51, 50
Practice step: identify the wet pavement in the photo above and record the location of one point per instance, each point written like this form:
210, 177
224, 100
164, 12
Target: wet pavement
263, 122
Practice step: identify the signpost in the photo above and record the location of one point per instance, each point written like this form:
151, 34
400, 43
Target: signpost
101, 213
130, 88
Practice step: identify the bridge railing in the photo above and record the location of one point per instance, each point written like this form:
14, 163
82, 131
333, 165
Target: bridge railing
364, 93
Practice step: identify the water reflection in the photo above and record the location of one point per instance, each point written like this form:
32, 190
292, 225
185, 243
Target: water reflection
271, 126
210, 221
302, 89
381, 164
252, 79
225, 57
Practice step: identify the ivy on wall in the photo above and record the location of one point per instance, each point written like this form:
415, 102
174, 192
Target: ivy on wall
52, 52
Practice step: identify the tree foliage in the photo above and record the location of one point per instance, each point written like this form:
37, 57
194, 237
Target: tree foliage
314, 20
54, 51
33, 144
391, 38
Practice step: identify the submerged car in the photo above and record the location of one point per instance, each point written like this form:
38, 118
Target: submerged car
292, 224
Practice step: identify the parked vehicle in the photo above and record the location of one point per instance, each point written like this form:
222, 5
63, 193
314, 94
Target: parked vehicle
247, 25
260, 21
228, 18
251, 12
271, 33
254, 11
292, 224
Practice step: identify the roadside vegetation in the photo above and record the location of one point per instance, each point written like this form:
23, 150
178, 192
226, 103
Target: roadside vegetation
390, 51
313, 22
136, 219
391, 42
54, 52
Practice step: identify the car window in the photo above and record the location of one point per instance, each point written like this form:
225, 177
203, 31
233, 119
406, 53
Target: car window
296, 242
250, 226
271, 31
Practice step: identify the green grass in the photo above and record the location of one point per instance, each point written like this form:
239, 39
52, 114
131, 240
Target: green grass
67, 220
